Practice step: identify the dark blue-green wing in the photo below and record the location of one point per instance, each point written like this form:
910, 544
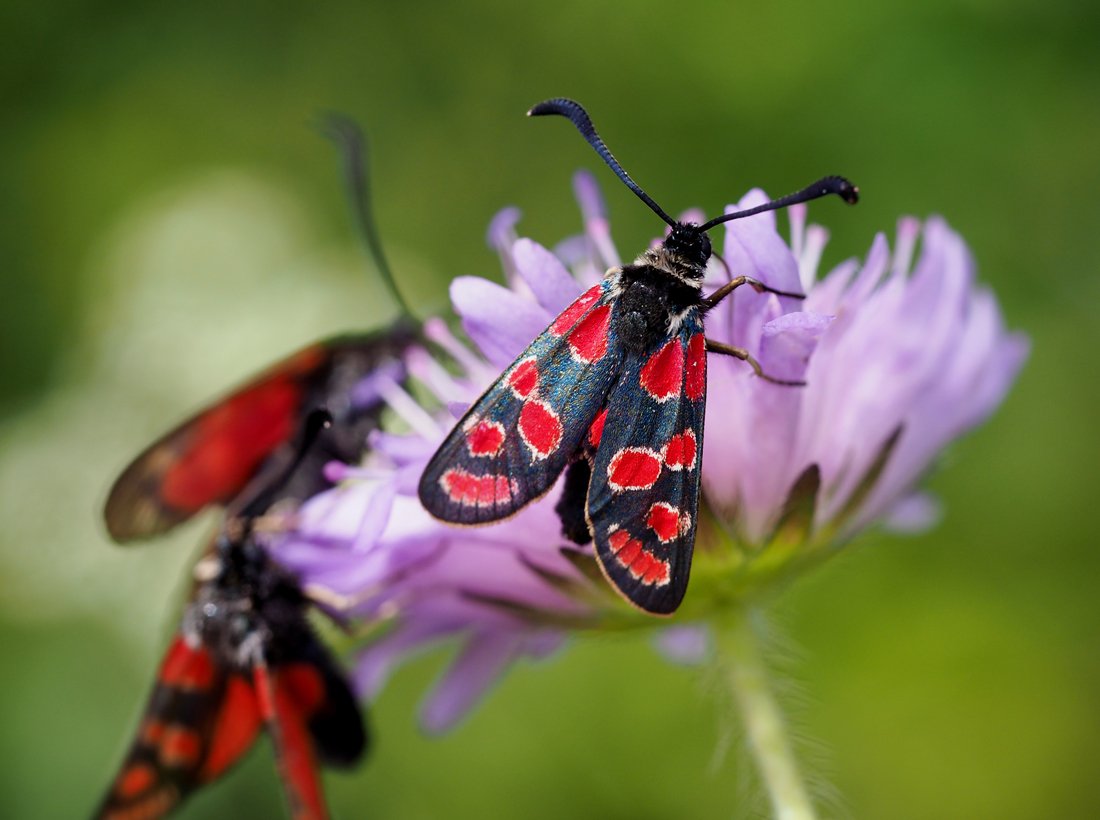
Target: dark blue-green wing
643, 499
517, 438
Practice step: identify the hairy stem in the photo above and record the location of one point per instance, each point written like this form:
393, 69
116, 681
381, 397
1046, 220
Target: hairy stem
764, 725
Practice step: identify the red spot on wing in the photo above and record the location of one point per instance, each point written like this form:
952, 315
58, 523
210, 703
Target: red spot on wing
484, 437
540, 428
667, 522
572, 314
680, 451
637, 560
595, 432
663, 374
472, 490
695, 383
235, 728
625, 548
588, 340
151, 732
187, 668
180, 747
147, 801
135, 779
524, 378
151, 807
228, 444
656, 573
633, 468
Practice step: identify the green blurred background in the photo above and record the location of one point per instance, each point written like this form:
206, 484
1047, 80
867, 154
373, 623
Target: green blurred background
171, 222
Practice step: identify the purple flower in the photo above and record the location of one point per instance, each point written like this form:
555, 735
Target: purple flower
369, 551
899, 357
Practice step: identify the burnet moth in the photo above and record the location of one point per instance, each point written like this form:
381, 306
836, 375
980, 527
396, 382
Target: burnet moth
614, 390
213, 457
245, 657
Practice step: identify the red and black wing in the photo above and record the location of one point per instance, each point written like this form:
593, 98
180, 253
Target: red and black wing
311, 715
199, 721
332, 713
643, 498
516, 439
214, 456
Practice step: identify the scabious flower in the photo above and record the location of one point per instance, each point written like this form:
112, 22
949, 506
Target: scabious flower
899, 357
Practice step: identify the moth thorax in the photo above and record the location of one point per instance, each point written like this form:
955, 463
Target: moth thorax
673, 264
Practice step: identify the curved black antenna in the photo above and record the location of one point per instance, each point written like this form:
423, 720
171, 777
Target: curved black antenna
318, 419
575, 113
823, 187
349, 139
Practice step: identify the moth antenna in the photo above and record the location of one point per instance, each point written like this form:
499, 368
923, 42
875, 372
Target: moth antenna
318, 420
823, 187
575, 113
353, 147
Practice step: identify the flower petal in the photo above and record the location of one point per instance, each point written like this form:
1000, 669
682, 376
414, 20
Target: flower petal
754, 248
381, 657
746, 462
913, 514
550, 282
477, 668
687, 645
499, 322
594, 213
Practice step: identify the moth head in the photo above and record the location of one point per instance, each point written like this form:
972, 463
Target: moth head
690, 243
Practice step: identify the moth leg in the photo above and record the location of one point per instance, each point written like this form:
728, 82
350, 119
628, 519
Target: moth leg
334, 604
711, 301
570, 507
745, 356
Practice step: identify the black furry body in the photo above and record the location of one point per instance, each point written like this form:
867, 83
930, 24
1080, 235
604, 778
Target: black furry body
654, 292
249, 610
650, 300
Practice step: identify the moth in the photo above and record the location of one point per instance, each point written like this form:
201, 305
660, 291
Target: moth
245, 658
244, 438
613, 392
212, 458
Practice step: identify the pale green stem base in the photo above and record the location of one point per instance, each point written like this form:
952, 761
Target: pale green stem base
762, 719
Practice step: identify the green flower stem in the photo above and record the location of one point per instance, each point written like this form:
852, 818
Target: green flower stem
763, 721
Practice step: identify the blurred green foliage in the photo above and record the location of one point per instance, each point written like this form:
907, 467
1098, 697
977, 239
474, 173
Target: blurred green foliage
171, 222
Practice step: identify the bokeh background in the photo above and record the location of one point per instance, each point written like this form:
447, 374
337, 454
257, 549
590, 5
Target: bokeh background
171, 222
